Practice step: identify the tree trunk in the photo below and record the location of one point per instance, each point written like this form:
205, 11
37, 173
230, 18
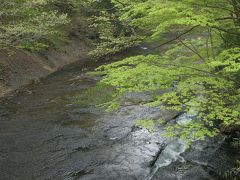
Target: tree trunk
236, 6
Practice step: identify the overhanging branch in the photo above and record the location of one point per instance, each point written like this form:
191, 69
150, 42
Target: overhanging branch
177, 37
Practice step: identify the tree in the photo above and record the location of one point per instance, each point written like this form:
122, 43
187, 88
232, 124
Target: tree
200, 71
38, 25
112, 35
28, 24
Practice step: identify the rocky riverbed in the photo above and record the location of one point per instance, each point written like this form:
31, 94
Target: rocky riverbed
44, 135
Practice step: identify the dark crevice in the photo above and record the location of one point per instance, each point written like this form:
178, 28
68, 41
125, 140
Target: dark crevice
155, 158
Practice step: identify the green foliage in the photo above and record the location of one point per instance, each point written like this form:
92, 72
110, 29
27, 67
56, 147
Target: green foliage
198, 75
228, 61
162, 16
25, 23
37, 25
146, 123
149, 124
112, 35
213, 98
114, 45
199, 72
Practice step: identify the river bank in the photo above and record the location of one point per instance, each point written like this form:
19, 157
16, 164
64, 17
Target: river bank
21, 67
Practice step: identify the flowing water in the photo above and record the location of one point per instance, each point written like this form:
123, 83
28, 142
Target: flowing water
44, 135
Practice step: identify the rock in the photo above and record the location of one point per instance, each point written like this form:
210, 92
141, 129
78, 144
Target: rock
196, 173
167, 115
136, 98
118, 132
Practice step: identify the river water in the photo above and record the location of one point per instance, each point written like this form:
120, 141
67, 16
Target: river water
44, 135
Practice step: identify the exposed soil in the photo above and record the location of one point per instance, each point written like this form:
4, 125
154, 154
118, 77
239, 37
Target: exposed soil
23, 67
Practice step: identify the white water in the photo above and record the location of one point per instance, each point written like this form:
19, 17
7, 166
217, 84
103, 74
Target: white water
174, 149
170, 154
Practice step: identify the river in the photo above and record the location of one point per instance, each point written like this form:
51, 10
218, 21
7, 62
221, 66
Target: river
44, 135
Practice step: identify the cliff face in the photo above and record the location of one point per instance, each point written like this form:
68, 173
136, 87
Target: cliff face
22, 67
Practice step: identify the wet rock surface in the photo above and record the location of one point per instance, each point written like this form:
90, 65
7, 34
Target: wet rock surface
43, 135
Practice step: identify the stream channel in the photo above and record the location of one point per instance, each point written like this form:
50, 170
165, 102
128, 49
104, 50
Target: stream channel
45, 136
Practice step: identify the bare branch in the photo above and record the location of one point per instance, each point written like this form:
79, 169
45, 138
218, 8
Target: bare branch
214, 7
226, 30
177, 37
194, 51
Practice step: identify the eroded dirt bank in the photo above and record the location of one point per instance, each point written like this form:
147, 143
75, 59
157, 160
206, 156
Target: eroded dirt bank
23, 67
